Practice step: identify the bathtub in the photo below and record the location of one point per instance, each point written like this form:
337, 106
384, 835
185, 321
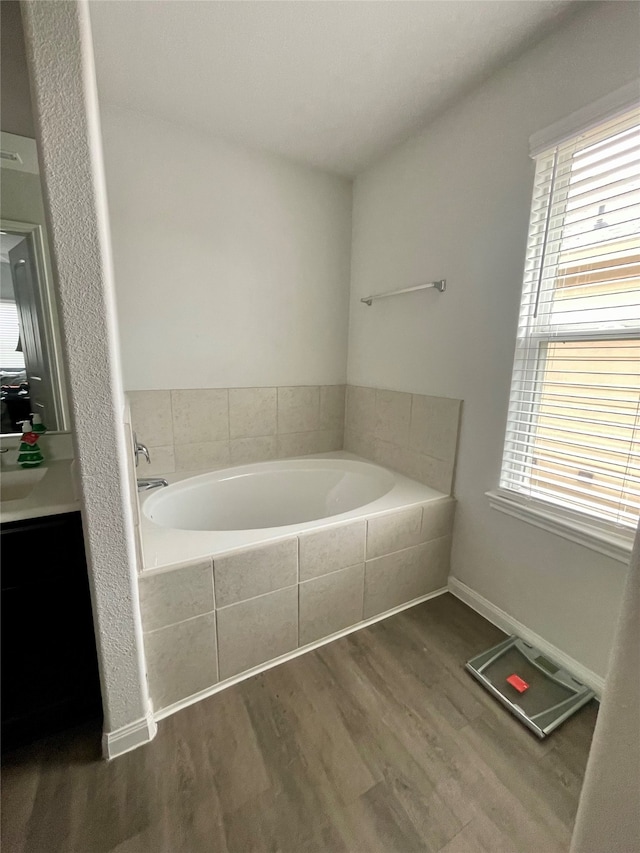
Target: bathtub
222, 511
249, 566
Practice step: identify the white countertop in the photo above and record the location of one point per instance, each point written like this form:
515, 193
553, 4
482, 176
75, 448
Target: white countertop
54, 494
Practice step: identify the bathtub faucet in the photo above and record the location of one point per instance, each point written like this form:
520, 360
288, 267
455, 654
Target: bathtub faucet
146, 483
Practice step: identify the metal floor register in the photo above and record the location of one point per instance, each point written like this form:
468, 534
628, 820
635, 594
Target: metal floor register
537, 691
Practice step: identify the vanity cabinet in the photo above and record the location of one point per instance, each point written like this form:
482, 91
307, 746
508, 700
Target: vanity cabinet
49, 663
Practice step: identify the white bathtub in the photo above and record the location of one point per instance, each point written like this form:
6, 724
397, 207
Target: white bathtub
221, 511
268, 494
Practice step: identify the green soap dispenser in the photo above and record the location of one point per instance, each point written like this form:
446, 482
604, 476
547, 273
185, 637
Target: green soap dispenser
38, 426
29, 455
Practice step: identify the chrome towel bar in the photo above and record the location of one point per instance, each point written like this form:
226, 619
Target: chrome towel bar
440, 285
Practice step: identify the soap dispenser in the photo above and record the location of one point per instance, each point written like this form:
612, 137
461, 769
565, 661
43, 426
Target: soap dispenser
38, 426
29, 455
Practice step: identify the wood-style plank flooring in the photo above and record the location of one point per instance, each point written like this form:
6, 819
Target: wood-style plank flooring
377, 742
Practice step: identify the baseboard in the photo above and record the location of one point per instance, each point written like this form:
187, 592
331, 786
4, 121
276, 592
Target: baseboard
129, 737
229, 682
507, 623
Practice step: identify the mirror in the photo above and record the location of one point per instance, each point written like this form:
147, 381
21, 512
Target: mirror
31, 373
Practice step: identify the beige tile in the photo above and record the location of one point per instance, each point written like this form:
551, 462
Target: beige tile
245, 450
390, 455
200, 415
437, 519
361, 409
255, 572
151, 417
331, 603
181, 660
331, 549
258, 630
298, 409
398, 578
434, 426
393, 415
393, 532
361, 443
304, 443
252, 412
202, 456
175, 595
332, 406
436, 473
163, 461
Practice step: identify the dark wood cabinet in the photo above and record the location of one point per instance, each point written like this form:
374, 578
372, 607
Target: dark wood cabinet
49, 664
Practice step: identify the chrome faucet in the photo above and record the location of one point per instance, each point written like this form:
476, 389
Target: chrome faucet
146, 483
140, 449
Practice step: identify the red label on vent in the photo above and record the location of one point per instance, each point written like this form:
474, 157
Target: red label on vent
519, 683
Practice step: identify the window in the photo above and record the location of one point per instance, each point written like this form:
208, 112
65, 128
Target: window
573, 431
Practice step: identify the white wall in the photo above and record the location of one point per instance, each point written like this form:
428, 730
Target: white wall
454, 202
232, 267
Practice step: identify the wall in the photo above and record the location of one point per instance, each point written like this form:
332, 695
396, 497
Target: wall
6, 283
453, 201
232, 267
65, 100
21, 197
608, 817
15, 99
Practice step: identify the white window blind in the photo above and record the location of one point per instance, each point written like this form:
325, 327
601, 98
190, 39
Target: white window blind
573, 429
9, 337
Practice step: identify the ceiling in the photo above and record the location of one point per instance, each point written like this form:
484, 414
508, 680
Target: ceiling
331, 84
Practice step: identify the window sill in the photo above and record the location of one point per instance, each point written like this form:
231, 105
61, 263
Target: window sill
615, 545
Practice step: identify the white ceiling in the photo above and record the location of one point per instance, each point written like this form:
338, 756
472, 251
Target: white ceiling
332, 84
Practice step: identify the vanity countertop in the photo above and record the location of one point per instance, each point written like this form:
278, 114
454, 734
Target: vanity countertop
53, 491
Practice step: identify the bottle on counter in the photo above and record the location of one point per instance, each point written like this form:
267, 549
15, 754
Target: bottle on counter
29, 454
37, 425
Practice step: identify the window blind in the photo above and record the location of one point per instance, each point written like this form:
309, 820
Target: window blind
573, 427
9, 337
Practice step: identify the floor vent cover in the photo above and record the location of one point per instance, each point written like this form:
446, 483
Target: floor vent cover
536, 690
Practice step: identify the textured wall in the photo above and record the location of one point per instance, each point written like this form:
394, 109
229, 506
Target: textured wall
59, 48
608, 815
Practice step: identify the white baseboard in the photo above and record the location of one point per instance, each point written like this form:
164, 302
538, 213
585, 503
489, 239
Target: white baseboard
129, 737
507, 623
229, 682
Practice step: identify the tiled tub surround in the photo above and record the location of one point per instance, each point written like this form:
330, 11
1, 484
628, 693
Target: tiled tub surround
197, 430
414, 434
203, 429
214, 619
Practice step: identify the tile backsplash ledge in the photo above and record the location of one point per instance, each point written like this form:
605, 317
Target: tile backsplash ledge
191, 430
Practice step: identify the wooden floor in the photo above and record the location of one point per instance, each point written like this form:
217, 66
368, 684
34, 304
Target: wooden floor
377, 742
